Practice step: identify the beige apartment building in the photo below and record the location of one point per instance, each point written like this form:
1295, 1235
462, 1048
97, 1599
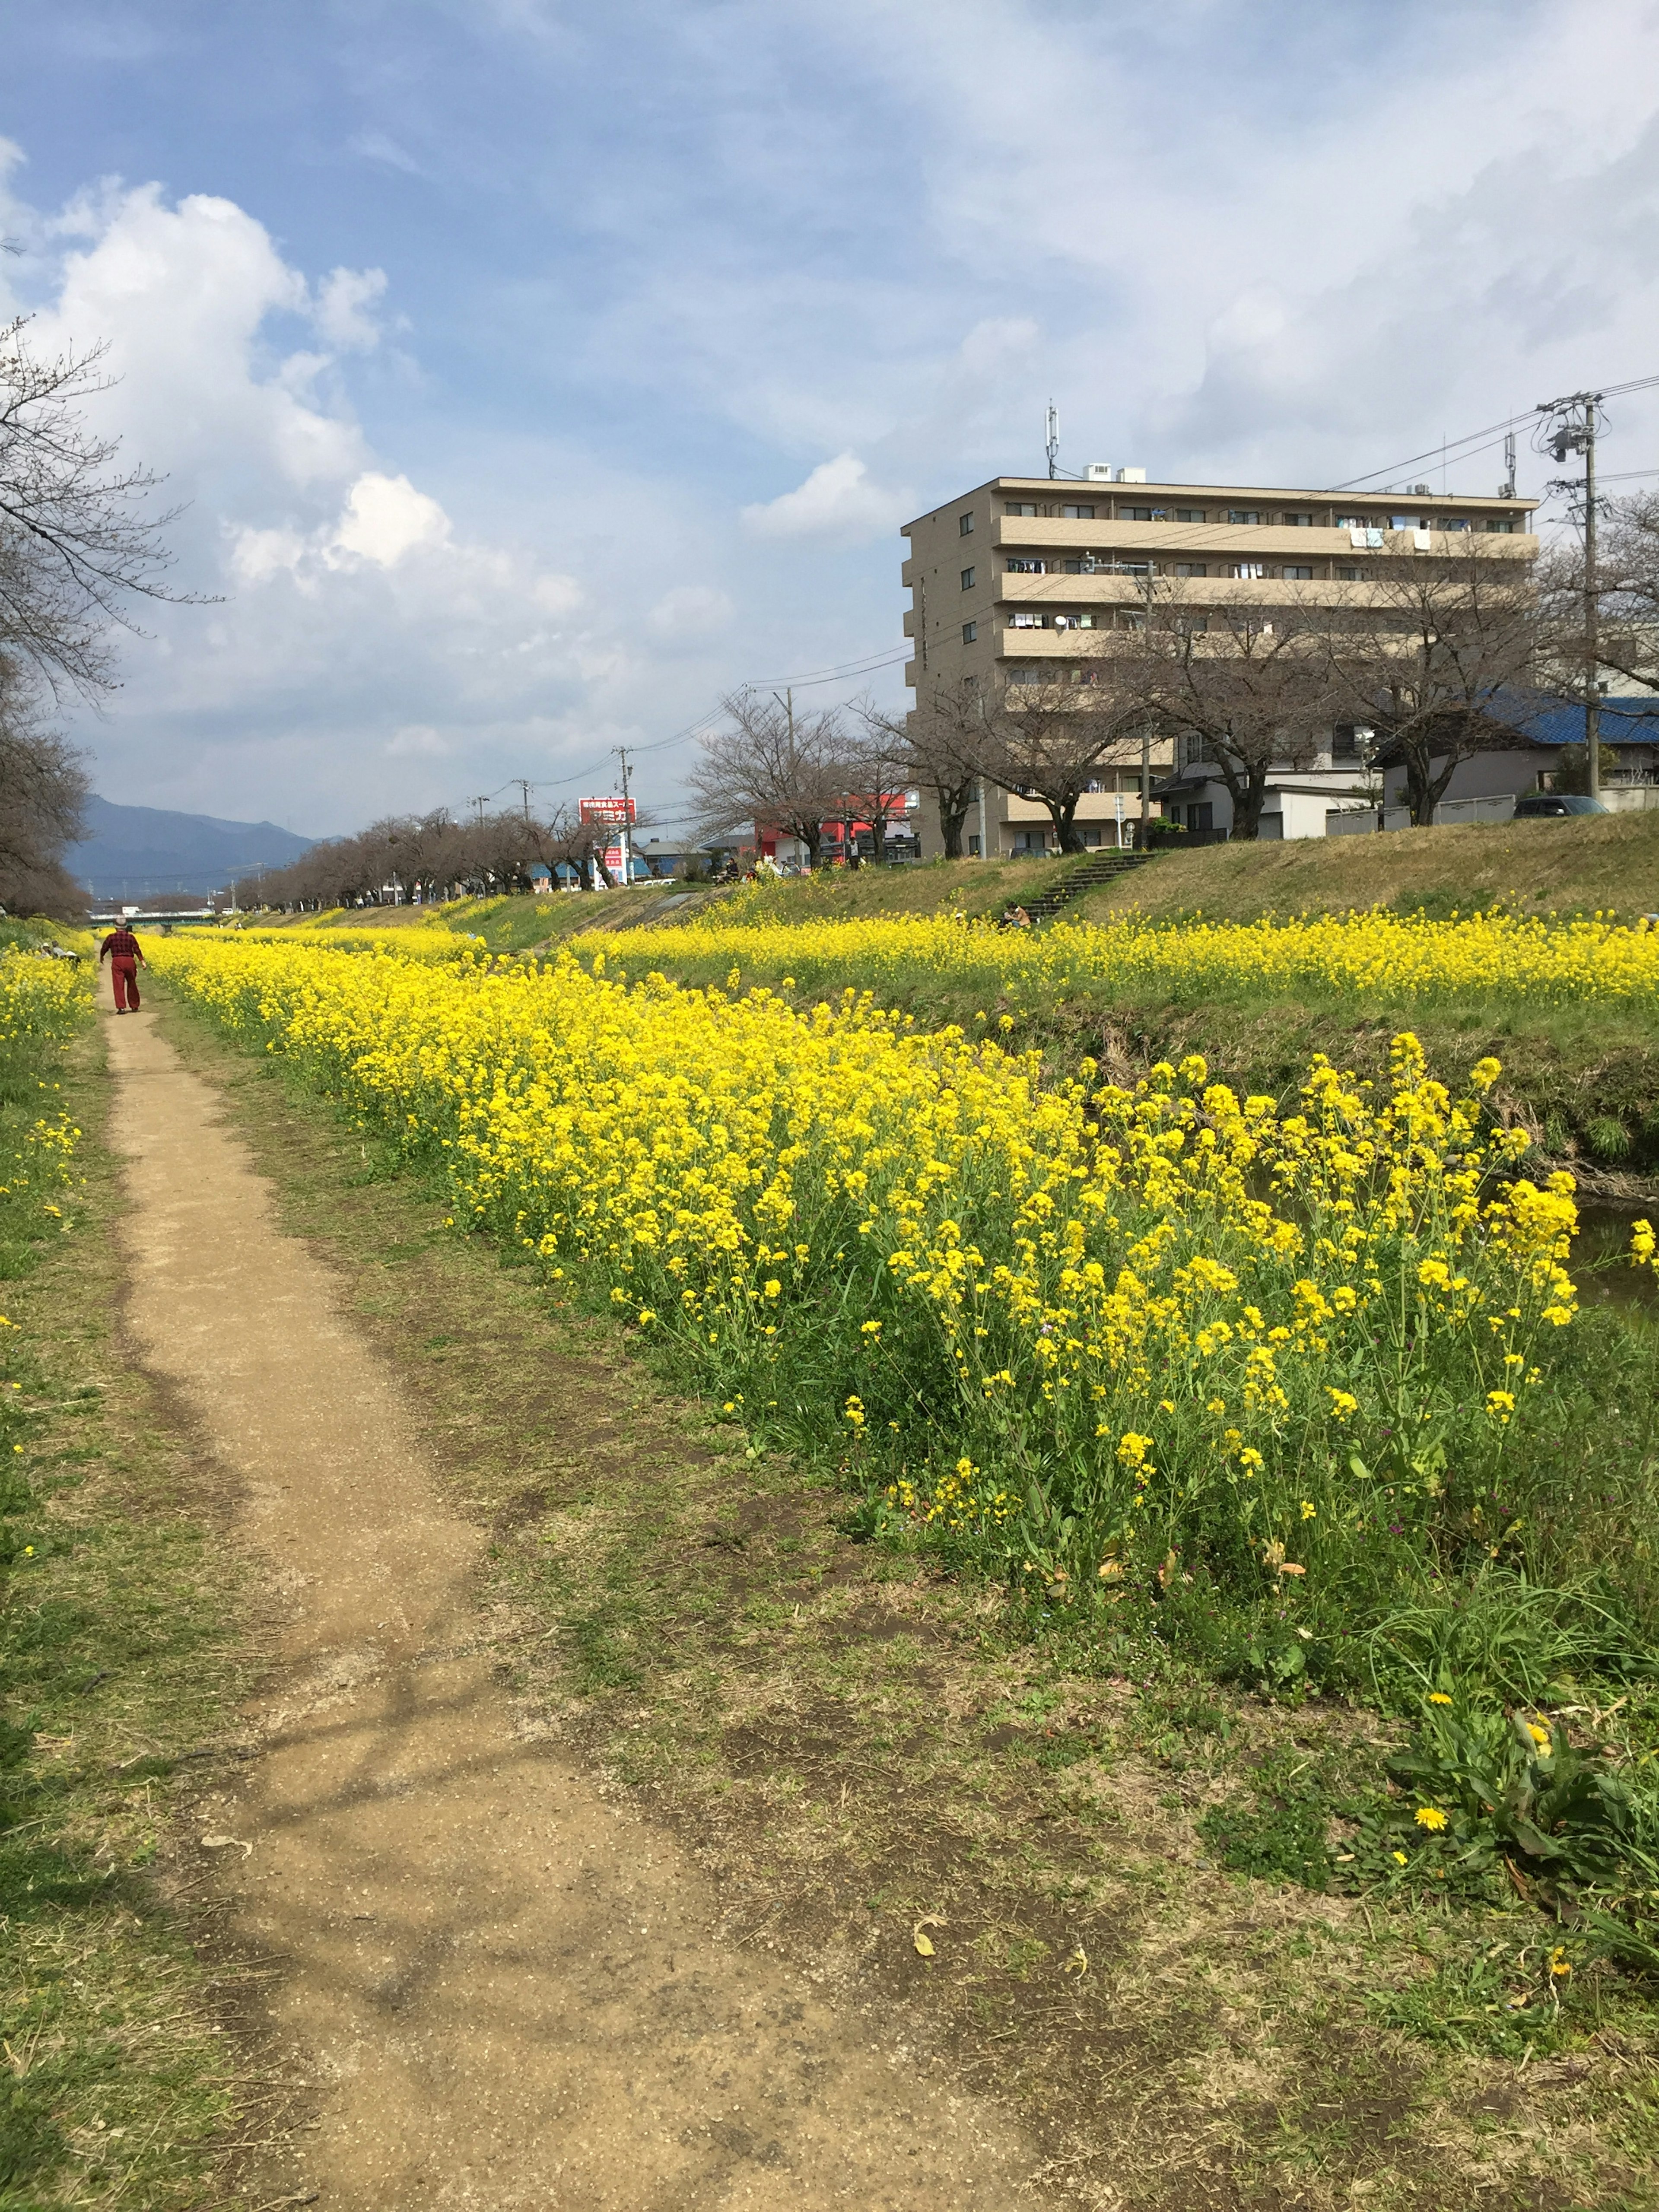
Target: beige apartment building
1005, 579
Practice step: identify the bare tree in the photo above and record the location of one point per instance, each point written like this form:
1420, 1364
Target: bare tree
1249, 682
43, 790
1433, 653
565, 840
77, 545
770, 766
1627, 640
939, 745
1052, 740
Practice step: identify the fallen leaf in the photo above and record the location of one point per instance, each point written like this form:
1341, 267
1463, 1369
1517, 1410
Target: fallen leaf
1166, 1572
924, 1949
1110, 1571
1290, 1567
225, 1843
1077, 1963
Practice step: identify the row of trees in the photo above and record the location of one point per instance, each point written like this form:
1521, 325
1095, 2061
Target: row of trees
78, 545
433, 856
1435, 659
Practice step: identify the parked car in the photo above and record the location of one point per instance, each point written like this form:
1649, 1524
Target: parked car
1537, 803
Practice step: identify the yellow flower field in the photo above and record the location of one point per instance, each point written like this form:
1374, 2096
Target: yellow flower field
1078, 1326
1374, 955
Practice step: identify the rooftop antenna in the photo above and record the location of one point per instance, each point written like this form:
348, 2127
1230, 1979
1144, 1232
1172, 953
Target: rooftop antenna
1506, 490
1051, 445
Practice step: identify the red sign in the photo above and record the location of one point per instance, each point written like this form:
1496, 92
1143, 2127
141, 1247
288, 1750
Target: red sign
606, 809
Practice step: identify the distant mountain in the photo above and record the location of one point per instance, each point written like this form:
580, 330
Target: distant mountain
137, 852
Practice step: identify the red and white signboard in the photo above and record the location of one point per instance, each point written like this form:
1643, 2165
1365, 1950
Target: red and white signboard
616, 814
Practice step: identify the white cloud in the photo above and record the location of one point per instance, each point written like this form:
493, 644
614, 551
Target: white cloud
838, 500
415, 741
690, 610
341, 312
385, 518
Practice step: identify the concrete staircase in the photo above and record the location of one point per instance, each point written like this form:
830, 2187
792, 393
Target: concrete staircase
1101, 868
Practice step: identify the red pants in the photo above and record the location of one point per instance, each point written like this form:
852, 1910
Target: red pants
125, 972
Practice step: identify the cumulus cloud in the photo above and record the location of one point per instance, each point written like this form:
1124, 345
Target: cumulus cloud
385, 518
342, 315
837, 500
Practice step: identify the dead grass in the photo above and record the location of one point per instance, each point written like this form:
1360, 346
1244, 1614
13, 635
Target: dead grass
853, 1747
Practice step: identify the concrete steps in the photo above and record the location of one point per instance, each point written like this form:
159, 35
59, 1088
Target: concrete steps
1101, 868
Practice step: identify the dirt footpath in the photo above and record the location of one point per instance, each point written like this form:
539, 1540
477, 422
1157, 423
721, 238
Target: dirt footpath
505, 1987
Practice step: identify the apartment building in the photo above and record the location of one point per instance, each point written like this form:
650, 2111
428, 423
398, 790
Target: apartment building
1004, 580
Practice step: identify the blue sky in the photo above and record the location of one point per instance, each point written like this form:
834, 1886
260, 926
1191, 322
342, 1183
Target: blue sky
535, 372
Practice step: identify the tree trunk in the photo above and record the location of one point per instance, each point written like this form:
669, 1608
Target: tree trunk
950, 824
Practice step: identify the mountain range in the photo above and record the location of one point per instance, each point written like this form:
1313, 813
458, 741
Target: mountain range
140, 852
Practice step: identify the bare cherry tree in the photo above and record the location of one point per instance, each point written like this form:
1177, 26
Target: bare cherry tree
77, 542
1627, 602
939, 746
1052, 740
1250, 683
1435, 654
768, 766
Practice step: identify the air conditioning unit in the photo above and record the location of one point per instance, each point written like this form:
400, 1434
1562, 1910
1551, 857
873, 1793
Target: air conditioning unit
1131, 476
1100, 472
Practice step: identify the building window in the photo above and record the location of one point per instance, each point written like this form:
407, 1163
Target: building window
1500, 529
1078, 514
1028, 676
964, 525
1191, 568
1024, 568
1190, 514
1019, 507
1298, 521
1192, 625
1140, 514
969, 632
1087, 835
973, 848
1353, 522
1242, 514
1027, 622
967, 580
1249, 571
1135, 568
1201, 815
1348, 575
1299, 575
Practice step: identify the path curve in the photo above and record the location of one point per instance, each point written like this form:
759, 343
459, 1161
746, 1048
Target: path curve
506, 1987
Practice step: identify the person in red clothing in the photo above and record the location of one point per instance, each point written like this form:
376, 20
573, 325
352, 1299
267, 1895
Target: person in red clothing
122, 950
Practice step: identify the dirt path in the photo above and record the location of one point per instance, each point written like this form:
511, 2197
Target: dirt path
505, 1986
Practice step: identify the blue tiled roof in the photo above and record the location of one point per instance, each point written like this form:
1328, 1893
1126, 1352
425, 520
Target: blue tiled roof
1624, 721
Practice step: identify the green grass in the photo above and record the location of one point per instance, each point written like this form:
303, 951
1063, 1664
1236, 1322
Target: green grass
117, 1634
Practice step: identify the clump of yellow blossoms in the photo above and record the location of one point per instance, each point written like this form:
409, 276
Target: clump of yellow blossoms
1074, 1321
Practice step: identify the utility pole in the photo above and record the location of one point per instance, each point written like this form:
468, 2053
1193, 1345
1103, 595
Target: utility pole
627, 846
479, 804
1575, 433
1051, 439
523, 782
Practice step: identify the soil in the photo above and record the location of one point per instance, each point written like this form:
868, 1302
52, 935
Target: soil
505, 1989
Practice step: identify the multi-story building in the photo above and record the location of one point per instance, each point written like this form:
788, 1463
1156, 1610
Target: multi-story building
1004, 581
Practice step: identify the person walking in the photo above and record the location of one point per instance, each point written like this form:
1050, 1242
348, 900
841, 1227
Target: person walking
125, 957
